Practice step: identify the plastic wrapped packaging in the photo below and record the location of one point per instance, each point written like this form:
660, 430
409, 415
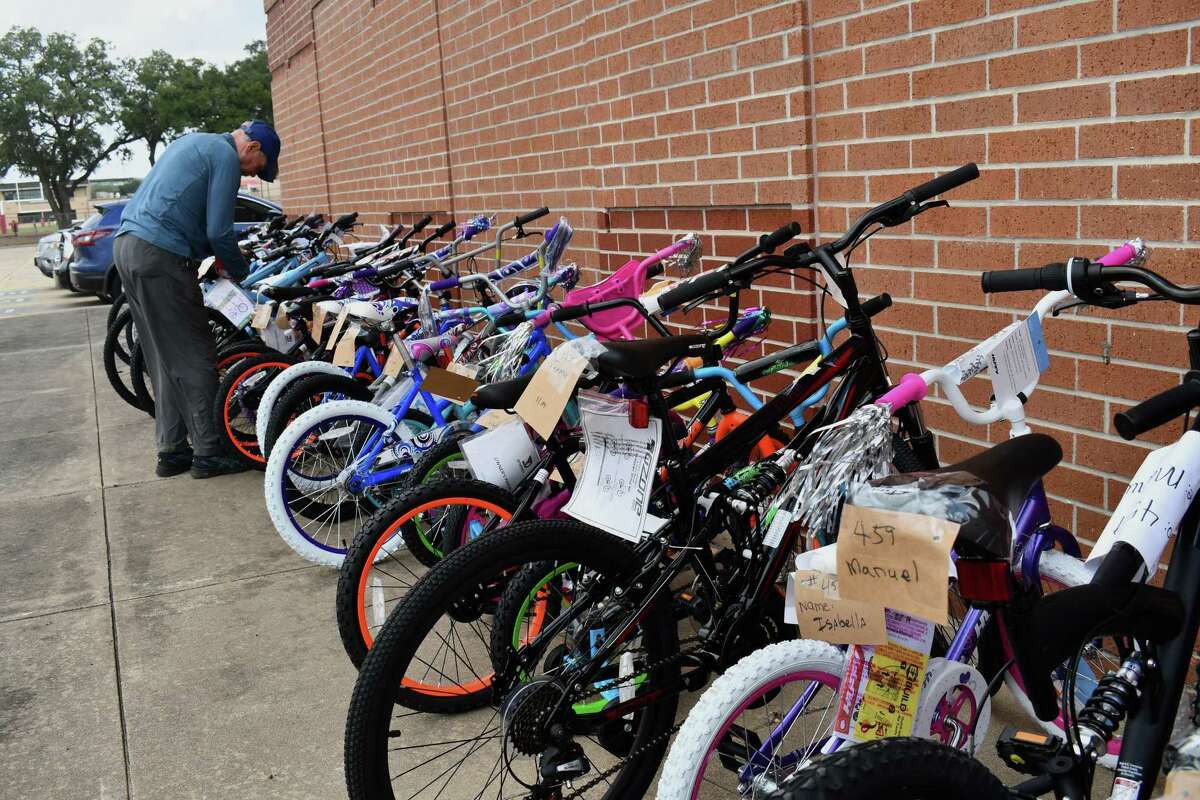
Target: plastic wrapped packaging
986, 526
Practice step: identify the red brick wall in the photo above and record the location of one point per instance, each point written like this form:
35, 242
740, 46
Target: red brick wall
642, 119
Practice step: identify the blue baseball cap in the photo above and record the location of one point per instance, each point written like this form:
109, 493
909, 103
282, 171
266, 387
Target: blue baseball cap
266, 137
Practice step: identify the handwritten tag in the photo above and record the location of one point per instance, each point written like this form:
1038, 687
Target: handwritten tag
262, 317
542, 403
344, 353
450, 385
342, 316
494, 418
1154, 503
281, 318
227, 297
902, 557
613, 493
821, 613
318, 323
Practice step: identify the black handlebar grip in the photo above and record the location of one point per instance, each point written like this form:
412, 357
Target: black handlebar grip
769, 241
1158, 410
313, 219
944, 183
1051, 277
877, 304
444, 229
655, 269
346, 221
693, 289
568, 313
510, 319
525, 219
421, 223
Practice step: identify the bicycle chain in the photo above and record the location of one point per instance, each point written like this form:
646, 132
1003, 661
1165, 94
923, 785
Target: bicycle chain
654, 741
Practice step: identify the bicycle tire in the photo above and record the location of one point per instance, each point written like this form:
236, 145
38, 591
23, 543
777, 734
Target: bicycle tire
381, 681
119, 302
112, 358
298, 398
279, 386
236, 398
139, 374
369, 552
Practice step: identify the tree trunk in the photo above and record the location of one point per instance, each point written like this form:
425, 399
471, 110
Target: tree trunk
152, 145
59, 197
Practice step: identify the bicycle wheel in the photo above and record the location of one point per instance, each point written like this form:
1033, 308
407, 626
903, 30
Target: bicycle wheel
308, 392
898, 769
118, 304
314, 486
436, 653
139, 379
237, 401
116, 357
391, 552
278, 387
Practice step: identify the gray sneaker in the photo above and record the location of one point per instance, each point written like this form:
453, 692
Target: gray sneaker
212, 466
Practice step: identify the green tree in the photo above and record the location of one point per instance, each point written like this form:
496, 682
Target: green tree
56, 100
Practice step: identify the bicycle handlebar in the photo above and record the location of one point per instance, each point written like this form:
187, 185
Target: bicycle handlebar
943, 183
1159, 410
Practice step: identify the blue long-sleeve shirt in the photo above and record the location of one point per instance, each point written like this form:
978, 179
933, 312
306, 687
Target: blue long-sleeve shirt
185, 205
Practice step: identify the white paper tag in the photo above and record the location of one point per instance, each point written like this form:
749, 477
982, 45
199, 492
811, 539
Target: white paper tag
227, 297
1155, 502
613, 493
502, 456
1012, 358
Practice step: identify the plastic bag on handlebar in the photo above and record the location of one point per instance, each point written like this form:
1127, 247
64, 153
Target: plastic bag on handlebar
986, 529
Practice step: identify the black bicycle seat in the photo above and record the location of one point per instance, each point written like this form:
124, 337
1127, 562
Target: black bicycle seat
1011, 468
642, 358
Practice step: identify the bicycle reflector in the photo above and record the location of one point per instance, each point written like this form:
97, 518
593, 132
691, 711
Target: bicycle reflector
984, 580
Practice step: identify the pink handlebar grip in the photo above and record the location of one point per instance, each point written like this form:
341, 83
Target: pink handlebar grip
320, 283
910, 389
1121, 255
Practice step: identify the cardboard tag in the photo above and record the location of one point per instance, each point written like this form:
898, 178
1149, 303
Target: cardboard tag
1182, 784
450, 385
318, 323
822, 614
262, 317
466, 370
494, 418
542, 403
337, 326
502, 456
343, 354
902, 557
1154, 503
613, 492
281, 318
394, 364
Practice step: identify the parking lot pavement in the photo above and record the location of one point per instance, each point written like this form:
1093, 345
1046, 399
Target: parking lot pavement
157, 639
24, 290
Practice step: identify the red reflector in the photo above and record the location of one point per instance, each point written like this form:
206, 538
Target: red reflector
986, 581
639, 414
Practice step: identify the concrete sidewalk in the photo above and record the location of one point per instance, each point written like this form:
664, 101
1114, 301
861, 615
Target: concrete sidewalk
157, 638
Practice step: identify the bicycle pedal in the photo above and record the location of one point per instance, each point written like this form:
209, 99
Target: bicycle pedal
1027, 751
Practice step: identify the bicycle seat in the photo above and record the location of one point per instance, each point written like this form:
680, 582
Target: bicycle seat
642, 358
1011, 468
288, 292
501, 394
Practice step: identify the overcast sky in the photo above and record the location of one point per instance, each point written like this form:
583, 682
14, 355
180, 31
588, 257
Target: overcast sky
214, 30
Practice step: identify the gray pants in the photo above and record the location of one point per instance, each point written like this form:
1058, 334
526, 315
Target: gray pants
172, 326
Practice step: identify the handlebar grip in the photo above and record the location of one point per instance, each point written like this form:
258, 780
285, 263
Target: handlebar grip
525, 219
910, 389
877, 304
1050, 277
443, 229
421, 223
346, 221
654, 270
769, 241
443, 284
510, 320
1158, 410
693, 289
944, 183
364, 273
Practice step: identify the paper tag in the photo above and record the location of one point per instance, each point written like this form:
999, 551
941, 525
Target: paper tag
881, 685
394, 364
1154, 503
281, 319
318, 323
226, 297
613, 493
1182, 784
494, 418
542, 403
896, 555
466, 370
822, 614
502, 456
449, 385
262, 317
1012, 358
343, 354
337, 326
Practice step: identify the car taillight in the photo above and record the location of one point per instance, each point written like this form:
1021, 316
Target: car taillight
88, 238
984, 581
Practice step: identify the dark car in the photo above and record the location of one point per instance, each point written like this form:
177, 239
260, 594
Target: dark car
92, 269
